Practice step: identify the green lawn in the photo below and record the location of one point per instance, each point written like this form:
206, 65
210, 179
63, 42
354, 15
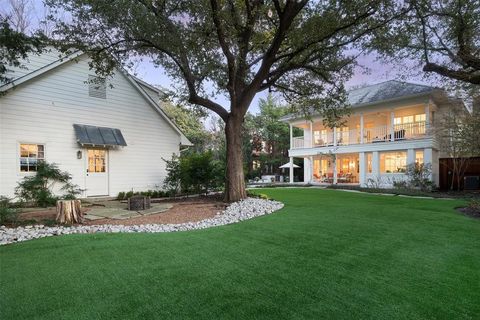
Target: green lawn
328, 254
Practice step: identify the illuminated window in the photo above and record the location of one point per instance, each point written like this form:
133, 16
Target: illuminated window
419, 156
96, 160
342, 135
320, 167
320, 137
30, 156
420, 117
420, 120
403, 120
393, 162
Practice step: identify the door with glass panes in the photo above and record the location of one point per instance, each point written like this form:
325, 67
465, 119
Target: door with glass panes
97, 172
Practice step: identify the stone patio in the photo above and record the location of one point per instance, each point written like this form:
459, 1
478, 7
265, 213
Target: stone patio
101, 209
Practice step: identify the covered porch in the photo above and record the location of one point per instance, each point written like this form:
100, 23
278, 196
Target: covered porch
332, 169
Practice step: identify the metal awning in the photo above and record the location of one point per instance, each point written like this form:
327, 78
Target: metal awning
98, 136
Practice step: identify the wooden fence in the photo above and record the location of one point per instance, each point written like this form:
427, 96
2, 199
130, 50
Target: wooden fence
446, 174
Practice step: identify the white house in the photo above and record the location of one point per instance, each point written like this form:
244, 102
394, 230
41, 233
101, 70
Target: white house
392, 124
109, 134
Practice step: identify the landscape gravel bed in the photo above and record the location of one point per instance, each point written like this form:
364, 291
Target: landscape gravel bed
237, 211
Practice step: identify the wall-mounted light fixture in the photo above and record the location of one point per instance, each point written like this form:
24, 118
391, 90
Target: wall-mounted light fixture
79, 154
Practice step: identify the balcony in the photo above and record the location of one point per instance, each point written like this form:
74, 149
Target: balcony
379, 134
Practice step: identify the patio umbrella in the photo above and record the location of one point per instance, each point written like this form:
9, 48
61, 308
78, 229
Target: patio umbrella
287, 166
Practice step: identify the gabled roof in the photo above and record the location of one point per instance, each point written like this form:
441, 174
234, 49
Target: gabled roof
137, 83
160, 91
381, 92
384, 91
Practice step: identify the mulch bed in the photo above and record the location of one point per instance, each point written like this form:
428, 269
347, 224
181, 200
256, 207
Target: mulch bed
470, 212
183, 210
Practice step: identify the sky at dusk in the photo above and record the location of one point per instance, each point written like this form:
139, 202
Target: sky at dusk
369, 71
377, 71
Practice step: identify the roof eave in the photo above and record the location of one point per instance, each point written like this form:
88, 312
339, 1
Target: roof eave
16, 82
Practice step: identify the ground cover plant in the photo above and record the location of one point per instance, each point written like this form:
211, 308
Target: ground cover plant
328, 254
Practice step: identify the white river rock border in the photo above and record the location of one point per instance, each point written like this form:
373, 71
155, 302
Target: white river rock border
237, 211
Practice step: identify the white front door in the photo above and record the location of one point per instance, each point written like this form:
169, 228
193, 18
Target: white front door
97, 172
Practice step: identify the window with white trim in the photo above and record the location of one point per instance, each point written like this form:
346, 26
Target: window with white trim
320, 137
30, 156
393, 162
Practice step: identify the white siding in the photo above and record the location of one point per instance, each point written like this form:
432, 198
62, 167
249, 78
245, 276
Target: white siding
33, 62
151, 93
44, 109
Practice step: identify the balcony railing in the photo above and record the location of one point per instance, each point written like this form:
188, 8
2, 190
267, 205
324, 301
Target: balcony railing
370, 135
298, 142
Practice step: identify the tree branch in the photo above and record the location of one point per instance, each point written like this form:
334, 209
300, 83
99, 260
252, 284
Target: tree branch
470, 77
223, 44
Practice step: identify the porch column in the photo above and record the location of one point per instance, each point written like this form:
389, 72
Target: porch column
291, 167
335, 170
427, 117
410, 157
361, 128
428, 159
375, 164
291, 136
392, 126
311, 169
362, 169
335, 136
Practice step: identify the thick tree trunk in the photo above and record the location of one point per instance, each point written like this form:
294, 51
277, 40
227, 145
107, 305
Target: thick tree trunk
235, 179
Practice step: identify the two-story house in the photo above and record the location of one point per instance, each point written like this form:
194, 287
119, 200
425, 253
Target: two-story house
391, 125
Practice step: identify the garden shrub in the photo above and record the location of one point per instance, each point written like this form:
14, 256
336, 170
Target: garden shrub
148, 193
252, 194
402, 184
418, 177
193, 173
37, 189
7, 212
198, 172
172, 182
474, 205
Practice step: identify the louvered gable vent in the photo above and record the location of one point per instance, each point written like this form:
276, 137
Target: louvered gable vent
97, 87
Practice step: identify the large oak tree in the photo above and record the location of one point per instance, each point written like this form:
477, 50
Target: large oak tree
442, 35
233, 48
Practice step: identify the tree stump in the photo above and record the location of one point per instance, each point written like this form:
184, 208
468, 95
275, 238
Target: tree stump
69, 211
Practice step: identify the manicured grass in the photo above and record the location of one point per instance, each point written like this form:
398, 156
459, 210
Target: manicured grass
328, 254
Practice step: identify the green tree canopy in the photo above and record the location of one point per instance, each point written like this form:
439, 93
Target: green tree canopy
232, 48
441, 35
15, 46
191, 122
